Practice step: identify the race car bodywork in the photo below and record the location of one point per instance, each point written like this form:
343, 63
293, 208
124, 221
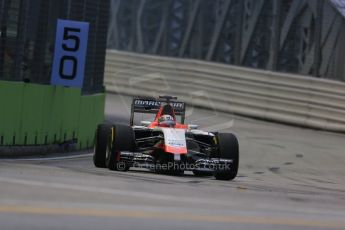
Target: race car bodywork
165, 144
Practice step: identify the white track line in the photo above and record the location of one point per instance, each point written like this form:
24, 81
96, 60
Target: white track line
94, 189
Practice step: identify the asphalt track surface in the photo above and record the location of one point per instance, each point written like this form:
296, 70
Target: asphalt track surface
289, 178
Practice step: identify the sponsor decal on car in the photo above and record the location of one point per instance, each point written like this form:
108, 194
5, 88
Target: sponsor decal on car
157, 104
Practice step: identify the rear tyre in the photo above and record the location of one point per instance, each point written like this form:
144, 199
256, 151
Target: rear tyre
121, 139
100, 145
228, 149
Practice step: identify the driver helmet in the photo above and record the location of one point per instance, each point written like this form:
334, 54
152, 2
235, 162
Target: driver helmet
167, 120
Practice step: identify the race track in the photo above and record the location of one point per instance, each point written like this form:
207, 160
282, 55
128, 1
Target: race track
289, 178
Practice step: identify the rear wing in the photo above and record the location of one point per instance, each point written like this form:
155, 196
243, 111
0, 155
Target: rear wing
151, 106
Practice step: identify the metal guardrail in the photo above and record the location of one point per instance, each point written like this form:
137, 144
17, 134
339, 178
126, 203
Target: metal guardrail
287, 98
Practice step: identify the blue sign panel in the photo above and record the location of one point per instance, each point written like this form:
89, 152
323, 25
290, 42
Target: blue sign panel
70, 53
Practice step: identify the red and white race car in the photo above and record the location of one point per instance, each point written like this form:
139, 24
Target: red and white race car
165, 144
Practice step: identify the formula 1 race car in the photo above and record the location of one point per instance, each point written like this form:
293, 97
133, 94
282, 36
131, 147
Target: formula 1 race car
166, 144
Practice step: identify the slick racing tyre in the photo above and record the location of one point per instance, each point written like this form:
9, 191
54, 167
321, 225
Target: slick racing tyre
100, 145
228, 149
121, 139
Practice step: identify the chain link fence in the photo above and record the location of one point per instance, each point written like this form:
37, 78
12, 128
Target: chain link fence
27, 37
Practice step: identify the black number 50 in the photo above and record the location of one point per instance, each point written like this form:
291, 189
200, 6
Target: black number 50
72, 46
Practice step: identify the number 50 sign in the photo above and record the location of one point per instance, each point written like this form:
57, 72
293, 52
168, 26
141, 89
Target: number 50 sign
70, 53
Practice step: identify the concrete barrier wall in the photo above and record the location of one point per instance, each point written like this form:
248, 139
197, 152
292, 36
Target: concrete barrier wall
287, 98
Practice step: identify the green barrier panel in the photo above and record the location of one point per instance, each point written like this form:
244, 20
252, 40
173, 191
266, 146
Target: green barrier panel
52, 122
70, 113
89, 115
86, 105
45, 102
55, 121
10, 113
34, 114
31, 115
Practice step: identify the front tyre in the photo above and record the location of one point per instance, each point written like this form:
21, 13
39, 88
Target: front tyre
121, 139
100, 145
228, 149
